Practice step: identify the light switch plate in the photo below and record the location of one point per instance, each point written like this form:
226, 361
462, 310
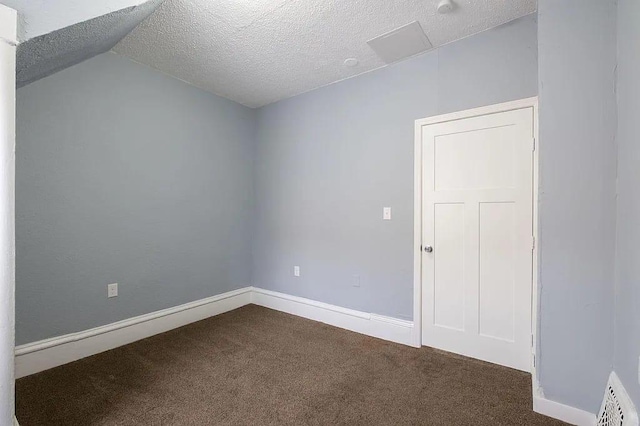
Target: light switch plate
112, 290
296, 271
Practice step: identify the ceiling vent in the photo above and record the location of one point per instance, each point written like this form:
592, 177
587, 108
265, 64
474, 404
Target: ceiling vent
401, 43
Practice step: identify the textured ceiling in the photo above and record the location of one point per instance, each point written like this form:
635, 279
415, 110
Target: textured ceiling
259, 51
38, 17
44, 55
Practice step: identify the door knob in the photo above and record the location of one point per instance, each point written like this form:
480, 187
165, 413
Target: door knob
428, 249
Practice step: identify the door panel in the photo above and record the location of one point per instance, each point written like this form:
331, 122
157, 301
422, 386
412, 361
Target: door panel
463, 163
449, 266
477, 206
496, 271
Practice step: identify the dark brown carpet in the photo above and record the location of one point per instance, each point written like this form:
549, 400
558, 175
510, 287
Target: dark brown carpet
255, 366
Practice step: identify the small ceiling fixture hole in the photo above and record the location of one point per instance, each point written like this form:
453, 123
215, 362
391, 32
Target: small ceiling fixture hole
350, 62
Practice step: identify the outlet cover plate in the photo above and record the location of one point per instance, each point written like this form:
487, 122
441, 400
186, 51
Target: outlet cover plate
112, 290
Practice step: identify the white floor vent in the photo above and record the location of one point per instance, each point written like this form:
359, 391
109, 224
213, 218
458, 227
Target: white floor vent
617, 408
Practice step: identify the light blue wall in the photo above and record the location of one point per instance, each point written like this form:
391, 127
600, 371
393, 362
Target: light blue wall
126, 175
627, 320
328, 161
577, 58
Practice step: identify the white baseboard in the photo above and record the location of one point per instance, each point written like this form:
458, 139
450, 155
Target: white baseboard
566, 413
392, 329
44, 354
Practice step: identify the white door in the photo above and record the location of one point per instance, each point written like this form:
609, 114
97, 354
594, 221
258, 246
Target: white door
477, 226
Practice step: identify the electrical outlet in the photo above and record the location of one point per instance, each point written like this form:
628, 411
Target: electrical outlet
386, 213
355, 281
296, 271
112, 290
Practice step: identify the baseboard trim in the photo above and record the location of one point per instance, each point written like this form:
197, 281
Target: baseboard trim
44, 354
566, 413
382, 327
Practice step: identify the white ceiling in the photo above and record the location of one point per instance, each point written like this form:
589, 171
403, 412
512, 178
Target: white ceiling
51, 52
38, 17
259, 51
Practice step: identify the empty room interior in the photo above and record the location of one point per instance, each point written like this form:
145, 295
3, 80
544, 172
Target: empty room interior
319, 212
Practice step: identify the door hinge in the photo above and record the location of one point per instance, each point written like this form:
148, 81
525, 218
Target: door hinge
532, 340
533, 243
533, 358
533, 144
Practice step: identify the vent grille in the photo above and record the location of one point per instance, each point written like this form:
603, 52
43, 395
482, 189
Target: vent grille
401, 43
617, 408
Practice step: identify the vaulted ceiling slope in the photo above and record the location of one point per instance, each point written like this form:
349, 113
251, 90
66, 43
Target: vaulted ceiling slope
259, 51
56, 34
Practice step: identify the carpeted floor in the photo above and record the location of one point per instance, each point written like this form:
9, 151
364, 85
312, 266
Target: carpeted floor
255, 366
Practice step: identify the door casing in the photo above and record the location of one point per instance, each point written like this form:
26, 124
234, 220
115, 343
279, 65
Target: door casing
417, 217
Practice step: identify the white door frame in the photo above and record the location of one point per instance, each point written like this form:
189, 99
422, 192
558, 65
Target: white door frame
8, 42
417, 216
